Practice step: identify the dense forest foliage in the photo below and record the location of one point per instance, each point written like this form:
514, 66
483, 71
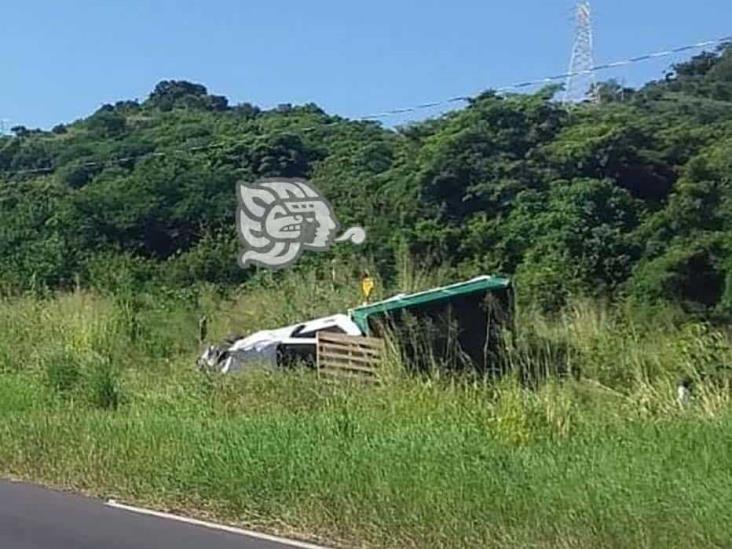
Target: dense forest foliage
628, 197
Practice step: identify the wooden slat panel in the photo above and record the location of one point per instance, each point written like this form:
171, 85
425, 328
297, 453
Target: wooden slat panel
352, 368
343, 362
332, 352
346, 365
331, 337
354, 352
349, 357
327, 358
353, 349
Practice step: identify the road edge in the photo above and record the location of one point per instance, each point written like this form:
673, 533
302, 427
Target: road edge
212, 525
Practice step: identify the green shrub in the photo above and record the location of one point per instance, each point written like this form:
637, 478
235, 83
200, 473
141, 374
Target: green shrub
7, 363
103, 388
62, 371
691, 274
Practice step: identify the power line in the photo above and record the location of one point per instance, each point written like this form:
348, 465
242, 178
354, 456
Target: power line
392, 112
555, 78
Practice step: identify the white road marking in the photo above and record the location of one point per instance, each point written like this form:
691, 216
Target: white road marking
214, 526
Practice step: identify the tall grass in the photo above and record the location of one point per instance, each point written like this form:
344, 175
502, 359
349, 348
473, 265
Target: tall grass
99, 393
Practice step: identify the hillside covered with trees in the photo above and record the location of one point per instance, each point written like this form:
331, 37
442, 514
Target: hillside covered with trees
632, 196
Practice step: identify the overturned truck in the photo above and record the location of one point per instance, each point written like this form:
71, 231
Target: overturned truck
455, 327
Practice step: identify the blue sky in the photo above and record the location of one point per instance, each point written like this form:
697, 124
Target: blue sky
62, 60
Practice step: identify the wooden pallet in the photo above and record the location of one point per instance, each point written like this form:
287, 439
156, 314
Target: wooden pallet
349, 357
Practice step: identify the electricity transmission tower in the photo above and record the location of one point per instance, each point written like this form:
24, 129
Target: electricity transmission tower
581, 79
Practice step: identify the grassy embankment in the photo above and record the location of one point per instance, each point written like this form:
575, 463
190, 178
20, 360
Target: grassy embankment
98, 394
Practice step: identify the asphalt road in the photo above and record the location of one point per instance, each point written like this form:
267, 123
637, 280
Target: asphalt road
37, 518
